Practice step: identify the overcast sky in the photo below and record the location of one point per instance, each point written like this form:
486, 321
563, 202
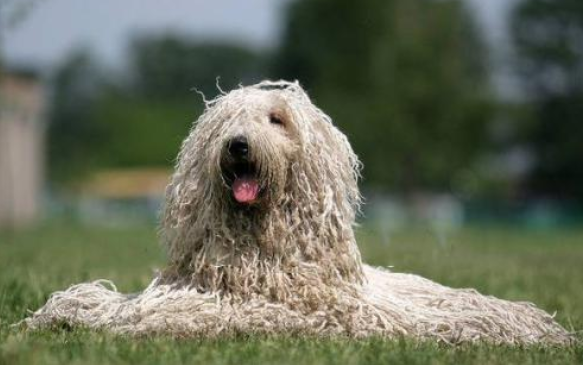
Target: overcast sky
53, 27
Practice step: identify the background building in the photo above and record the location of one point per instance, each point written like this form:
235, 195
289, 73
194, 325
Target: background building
21, 148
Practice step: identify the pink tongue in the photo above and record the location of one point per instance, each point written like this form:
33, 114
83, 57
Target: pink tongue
245, 189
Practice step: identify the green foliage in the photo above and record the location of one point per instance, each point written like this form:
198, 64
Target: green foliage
406, 79
142, 132
548, 36
538, 266
100, 120
170, 66
74, 133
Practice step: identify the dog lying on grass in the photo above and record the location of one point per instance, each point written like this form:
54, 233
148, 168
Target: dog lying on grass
258, 226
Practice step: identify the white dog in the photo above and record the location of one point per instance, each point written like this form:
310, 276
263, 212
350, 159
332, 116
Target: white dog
259, 229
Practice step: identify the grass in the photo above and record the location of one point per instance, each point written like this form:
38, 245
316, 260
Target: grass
545, 267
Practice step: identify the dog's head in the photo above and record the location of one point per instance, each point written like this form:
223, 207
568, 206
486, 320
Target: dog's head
265, 145
258, 146
263, 167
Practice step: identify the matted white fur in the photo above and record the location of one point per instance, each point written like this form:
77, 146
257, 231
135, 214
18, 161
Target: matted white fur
289, 263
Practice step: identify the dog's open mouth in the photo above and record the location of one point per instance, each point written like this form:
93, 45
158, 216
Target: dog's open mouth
243, 181
245, 189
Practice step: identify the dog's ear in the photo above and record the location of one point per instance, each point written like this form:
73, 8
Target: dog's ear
182, 197
328, 164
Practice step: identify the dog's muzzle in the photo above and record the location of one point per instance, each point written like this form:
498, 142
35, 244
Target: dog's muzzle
238, 148
240, 172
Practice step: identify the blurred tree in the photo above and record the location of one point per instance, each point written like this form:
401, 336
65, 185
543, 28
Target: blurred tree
170, 66
406, 79
548, 36
142, 132
101, 120
74, 134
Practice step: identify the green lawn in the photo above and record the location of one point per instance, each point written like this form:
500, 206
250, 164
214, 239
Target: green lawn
545, 267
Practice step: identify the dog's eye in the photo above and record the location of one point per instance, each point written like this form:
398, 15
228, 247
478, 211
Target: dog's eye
274, 119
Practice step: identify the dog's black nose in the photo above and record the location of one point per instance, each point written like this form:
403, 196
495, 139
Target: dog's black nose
238, 147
